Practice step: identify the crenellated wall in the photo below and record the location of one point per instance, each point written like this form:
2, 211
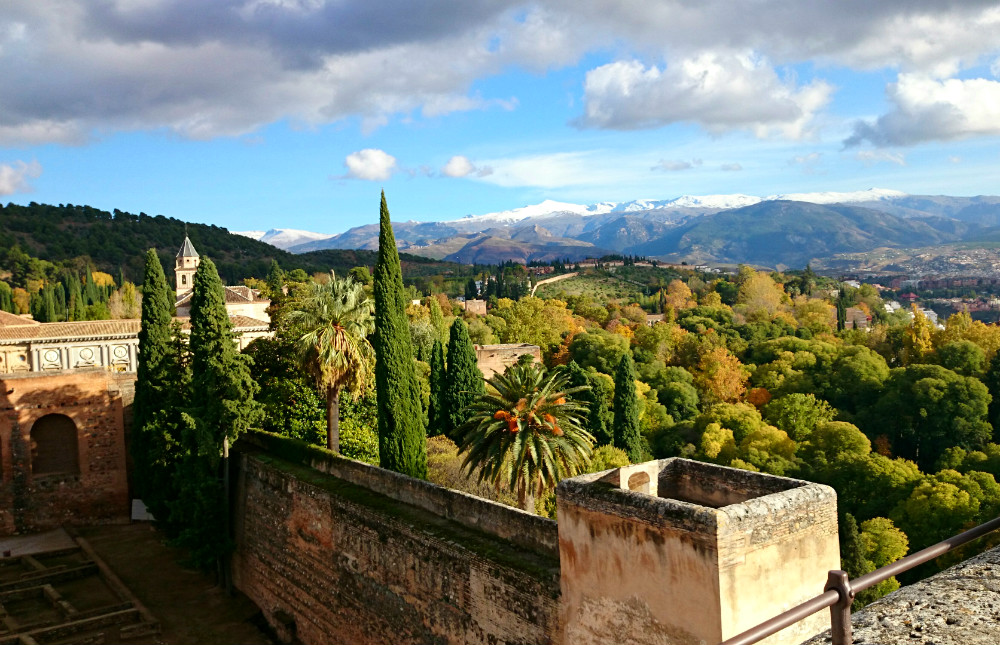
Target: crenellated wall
334, 550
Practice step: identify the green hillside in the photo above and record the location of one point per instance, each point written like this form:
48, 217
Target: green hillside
76, 236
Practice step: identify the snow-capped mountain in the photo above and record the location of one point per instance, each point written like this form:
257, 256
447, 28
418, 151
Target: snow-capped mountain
284, 238
870, 195
548, 207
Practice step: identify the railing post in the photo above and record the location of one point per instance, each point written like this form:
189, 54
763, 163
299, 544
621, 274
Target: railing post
840, 613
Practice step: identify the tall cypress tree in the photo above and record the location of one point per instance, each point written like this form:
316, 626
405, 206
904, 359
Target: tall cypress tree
436, 412
90, 291
626, 424
222, 407
464, 382
401, 440
155, 390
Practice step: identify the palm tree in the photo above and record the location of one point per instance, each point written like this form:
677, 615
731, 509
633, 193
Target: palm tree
527, 432
334, 320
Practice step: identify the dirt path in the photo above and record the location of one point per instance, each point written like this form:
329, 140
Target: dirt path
190, 608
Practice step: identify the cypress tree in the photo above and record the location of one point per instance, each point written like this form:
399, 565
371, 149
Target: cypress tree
401, 440
437, 318
436, 413
463, 381
90, 290
595, 398
77, 306
841, 313
6, 297
275, 280
626, 404
49, 298
222, 407
153, 388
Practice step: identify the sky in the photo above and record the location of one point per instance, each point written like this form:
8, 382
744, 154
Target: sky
259, 114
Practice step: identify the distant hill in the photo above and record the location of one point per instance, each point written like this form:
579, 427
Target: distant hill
778, 230
788, 233
109, 241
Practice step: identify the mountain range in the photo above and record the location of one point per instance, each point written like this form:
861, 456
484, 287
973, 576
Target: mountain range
781, 231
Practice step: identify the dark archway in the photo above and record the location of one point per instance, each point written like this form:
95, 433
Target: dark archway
54, 446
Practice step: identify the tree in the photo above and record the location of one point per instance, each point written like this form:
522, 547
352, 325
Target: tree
159, 380
437, 411
925, 409
275, 280
463, 380
527, 432
797, 414
720, 376
402, 444
596, 391
626, 405
334, 320
221, 408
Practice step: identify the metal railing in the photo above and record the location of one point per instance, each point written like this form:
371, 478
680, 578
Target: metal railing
840, 591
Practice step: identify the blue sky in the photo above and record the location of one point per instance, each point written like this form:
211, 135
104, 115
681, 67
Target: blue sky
257, 114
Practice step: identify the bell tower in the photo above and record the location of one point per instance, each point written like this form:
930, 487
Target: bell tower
186, 264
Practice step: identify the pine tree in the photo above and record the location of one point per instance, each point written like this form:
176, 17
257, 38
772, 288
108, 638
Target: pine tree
436, 411
222, 407
626, 404
402, 443
463, 381
156, 390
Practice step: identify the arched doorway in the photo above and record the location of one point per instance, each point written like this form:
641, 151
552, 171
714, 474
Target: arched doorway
54, 448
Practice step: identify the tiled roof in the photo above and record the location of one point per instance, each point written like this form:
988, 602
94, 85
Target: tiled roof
70, 330
86, 329
234, 296
13, 320
187, 249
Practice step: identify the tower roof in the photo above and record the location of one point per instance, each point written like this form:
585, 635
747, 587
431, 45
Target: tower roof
187, 249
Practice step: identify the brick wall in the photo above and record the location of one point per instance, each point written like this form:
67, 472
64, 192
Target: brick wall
362, 555
98, 490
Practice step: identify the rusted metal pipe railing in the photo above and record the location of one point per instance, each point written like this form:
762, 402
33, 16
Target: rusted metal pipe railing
840, 591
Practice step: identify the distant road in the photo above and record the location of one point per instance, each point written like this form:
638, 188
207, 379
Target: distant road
555, 278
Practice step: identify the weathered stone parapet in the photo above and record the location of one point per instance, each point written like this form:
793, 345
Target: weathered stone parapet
959, 606
714, 552
335, 551
519, 527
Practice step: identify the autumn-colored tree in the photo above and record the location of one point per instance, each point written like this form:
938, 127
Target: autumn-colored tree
918, 339
720, 377
760, 296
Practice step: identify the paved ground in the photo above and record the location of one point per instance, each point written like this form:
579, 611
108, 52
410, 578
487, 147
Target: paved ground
39, 542
190, 608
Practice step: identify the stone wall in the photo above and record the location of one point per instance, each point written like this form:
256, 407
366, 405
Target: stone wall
334, 550
683, 552
496, 358
95, 488
959, 606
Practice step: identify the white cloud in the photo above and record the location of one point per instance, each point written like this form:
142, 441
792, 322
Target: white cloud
719, 92
16, 178
461, 166
731, 167
880, 156
676, 165
561, 170
928, 109
370, 164
954, 159
227, 67
458, 166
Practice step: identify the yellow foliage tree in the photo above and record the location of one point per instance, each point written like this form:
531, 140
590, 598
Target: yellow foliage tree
720, 376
